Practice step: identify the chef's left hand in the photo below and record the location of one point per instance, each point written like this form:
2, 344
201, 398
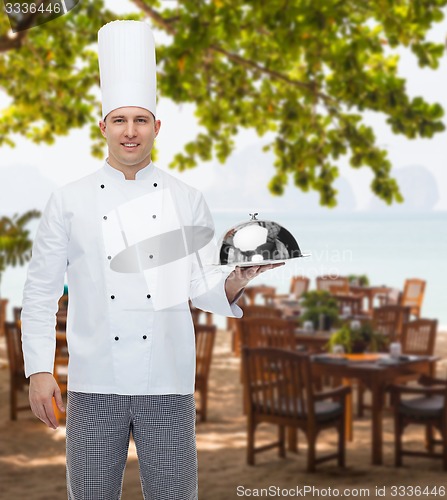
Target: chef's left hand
241, 276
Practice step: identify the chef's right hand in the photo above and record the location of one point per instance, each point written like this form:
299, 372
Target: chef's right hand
42, 389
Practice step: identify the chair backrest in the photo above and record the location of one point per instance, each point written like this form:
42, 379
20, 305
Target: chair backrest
261, 312
278, 383
17, 312
419, 337
333, 284
267, 332
205, 336
388, 320
252, 292
351, 302
299, 285
199, 316
3, 304
413, 295
15, 353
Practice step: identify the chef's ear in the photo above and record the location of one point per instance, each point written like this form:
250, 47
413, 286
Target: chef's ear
157, 125
102, 127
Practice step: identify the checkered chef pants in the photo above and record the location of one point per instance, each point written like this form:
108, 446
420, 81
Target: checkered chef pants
98, 432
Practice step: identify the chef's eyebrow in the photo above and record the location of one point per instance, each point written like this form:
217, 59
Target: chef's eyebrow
123, 116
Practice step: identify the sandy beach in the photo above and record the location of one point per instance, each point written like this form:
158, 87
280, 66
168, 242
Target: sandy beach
32, 457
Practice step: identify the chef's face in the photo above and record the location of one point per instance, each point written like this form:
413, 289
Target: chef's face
130, 133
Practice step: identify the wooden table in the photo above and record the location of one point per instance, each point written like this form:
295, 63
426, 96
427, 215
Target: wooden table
314, 341
376, 375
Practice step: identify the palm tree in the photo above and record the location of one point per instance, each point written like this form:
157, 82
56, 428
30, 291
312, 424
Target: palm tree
15, 244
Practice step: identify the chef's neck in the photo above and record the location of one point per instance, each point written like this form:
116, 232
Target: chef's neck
131, 171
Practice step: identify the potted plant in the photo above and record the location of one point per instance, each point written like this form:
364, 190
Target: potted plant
321, 308
358, 337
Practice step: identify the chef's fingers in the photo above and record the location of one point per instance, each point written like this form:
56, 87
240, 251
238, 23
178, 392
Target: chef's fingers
58, 399
270, 266
39, 409
49, 413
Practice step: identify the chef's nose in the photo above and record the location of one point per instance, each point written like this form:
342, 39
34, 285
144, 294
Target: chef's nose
130, 129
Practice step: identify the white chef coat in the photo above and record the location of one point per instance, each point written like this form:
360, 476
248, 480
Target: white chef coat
127, 332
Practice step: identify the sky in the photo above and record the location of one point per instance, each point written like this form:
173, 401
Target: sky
36, 170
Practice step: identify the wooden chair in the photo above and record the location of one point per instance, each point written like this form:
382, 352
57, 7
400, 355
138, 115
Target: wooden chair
419, 337
280, 392
205, 336
389, 320
3, 304
199, 316
252, 293
251, 312
18, 383
333, 284
268, 332
298, 286
351, 302
428, 408
413, 295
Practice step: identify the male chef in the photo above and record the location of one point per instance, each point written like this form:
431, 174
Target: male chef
136, 244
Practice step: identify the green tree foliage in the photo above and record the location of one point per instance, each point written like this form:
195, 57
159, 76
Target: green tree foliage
301, 71
15, 243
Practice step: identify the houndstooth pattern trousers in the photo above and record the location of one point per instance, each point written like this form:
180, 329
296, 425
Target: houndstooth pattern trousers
98, 433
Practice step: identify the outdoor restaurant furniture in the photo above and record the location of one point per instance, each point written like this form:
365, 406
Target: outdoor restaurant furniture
280, 391
377, 372
267, 332
419, 337
3, 304
427, 408
205, 336
413, 295
252, 292
370, 295
17, 381
349, 304
298, 286
199, 316
251, 312
333, 284
389, 319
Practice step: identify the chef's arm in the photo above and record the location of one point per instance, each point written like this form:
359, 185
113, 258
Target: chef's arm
44, 285
238, 279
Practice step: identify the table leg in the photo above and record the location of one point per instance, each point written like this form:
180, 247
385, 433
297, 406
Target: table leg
376, 431
349, 412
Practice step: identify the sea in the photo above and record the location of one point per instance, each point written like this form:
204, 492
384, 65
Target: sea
386, 248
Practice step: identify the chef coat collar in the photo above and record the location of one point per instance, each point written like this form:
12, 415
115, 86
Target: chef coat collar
143, 174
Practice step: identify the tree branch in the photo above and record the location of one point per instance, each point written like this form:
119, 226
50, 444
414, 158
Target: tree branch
167, 25
278, 76
155, 16
9, 42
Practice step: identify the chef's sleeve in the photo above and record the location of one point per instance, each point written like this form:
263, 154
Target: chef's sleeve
43, 288
207, 289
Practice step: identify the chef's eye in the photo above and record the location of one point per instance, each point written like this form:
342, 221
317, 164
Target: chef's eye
141, 120
118, 120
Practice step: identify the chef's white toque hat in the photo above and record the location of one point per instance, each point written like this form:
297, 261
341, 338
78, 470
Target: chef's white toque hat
127, 68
